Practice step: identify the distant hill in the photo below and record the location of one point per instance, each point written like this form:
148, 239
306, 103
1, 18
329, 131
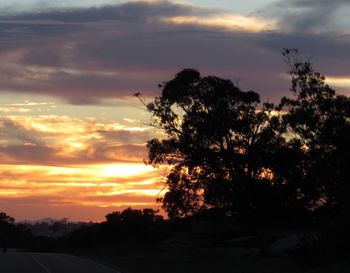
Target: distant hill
42, 220
52, 227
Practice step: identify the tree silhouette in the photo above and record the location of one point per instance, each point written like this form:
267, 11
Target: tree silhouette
255, 162
318, 121
224, 150
4, 218
134, 216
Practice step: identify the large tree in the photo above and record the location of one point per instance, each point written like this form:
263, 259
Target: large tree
224, 150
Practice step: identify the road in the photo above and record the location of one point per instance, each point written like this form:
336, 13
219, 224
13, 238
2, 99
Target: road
16, 262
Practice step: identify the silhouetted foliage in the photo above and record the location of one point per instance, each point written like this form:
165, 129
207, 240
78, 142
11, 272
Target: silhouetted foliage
134, 216
129, 224
254, 162
4, 218
317, 121
13, 234
224, 150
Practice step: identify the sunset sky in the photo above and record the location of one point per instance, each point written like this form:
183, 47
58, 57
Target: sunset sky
73, 136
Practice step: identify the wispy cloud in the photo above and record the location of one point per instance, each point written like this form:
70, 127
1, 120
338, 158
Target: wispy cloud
63, 140
27, 107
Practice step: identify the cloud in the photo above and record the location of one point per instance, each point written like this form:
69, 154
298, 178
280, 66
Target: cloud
61, 141
307, 15
229, 22
27, 154
110, 52
11, 7
50, 190
88, 55
138, 11
11, 131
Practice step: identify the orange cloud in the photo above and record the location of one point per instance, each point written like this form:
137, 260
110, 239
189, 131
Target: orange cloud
86, 185
58, 161
60, 140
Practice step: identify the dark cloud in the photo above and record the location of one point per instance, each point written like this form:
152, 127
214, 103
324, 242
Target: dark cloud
14, 34
13, 133
128, 12
109, 153
27, 154
124, 136
307, 15
87, 55
44, 57
94, 154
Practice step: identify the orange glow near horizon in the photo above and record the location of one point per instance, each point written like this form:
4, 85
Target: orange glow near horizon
339, 81
79, 168
92, 186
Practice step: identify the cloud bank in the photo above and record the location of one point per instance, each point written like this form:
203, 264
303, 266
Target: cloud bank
309, 15
88, 55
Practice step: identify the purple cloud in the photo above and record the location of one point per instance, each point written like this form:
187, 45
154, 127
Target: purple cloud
87, 55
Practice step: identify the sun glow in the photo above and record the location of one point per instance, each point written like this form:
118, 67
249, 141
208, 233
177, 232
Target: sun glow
79, 167
230, 22
69, 165
339, 81
124, 170
95, 185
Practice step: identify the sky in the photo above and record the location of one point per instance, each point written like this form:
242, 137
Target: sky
72, 136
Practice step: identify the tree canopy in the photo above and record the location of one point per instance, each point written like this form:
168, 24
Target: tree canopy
223, 149
232, 154
319, 120
4, 218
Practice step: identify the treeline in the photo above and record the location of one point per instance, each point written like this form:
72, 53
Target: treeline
130, 228
11, 234
129, 224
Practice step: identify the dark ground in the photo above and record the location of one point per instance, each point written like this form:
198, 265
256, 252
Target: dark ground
17, 262
209, 260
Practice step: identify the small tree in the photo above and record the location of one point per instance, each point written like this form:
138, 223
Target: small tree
4, 218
